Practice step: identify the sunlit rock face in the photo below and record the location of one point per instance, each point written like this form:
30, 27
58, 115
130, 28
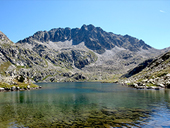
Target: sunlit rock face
89, 51
94, 38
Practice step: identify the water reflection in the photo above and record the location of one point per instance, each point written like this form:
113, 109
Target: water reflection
67, 104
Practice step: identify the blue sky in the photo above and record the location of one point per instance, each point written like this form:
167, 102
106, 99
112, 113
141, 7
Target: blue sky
148, 20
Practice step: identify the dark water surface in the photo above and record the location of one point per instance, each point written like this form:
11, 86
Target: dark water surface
85, 104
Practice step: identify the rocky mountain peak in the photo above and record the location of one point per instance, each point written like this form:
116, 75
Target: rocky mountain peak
93, 37
4, 39
89, 27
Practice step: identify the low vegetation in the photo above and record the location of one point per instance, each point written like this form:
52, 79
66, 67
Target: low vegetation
17, 83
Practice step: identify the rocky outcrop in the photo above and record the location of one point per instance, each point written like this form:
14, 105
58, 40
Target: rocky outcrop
4, 39
155, 74
16, 83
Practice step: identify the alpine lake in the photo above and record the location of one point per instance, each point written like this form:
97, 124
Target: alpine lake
85, 105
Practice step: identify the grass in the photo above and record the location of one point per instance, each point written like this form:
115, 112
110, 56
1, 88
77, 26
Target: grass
4, 67
19, 84
149, 85
5, 85
111, 79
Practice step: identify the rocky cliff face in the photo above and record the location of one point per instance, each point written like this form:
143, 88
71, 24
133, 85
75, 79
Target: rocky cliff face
64, 54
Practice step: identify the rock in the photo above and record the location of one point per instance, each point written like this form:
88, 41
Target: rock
28, 86
13, 88
140, 87
17, 88
161, 85
79, 77
20, 78
157, 88
168, 75
2, 89
135, 85
7, 89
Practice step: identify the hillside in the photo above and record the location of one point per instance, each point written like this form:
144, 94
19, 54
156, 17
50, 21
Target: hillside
153, 73
78, 54
15, 60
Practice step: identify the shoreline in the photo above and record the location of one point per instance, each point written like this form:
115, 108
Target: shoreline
134, 85
18, 89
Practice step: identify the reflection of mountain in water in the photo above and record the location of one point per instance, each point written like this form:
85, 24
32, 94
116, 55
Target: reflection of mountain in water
110, 105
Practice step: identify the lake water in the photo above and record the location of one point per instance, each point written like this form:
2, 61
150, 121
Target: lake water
86, 104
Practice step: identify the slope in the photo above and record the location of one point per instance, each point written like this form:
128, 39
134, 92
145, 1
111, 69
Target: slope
155, 73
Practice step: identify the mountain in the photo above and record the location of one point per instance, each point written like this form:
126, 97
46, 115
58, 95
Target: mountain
155, 72
15, 60
64, 54
94, 38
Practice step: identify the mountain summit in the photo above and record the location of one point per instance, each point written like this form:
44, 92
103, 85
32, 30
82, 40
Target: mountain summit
93, 37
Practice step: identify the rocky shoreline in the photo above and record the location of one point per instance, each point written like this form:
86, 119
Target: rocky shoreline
17, 83
16, 88
155, 75
134, 85
154, 83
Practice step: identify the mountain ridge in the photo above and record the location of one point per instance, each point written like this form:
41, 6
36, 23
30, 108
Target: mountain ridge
95, 38
80, 54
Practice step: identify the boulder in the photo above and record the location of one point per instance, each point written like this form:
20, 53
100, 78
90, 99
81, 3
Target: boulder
28, 87
162, 86
2, 89
17, 88
13, 88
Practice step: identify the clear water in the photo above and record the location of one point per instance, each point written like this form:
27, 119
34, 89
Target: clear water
85, 104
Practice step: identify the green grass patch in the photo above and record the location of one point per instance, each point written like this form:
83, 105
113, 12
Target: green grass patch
19, 84
149, 85
4, 67
5, 85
